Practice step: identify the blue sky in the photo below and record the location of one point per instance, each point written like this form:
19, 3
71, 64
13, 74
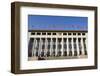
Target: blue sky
48, 22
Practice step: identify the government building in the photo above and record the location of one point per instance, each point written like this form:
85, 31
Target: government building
52, 45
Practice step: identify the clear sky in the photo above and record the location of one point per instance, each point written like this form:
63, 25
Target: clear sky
48, 22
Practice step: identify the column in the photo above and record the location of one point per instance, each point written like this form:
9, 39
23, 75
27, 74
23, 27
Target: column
29, 34
72, 46
40, 47
30, 45
56, 46
33, 47
86, 41
77, 43
82, 46
51, 46
62, 47
46, 44
67, 46
48, 47
85, 46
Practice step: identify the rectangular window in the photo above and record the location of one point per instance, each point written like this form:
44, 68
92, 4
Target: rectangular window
44, 33
33, 33
38, 33
69, 33
64, 33
54, 33
79, 33
48, 33
83, 33
74, 33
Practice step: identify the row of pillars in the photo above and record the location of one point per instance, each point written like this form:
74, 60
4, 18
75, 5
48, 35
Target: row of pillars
57, 47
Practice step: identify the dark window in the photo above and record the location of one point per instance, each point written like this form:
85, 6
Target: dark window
43, 33
33, 33
83, 33
79, 33
48, 33
54, 33
64, 33
38, 33
69, 33
74, 33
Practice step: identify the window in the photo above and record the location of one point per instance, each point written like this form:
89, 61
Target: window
74, 33
44, 33
48, 33
54, 33
33, 33
83, 33
64, 33
79, 33
69, 33
38, 33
